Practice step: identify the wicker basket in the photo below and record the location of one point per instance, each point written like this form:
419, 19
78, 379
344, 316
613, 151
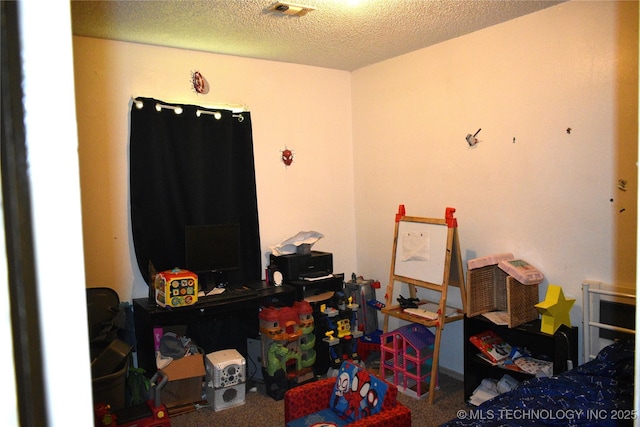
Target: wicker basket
489, 288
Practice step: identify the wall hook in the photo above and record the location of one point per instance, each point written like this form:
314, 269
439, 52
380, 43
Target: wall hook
471, 139
622, 184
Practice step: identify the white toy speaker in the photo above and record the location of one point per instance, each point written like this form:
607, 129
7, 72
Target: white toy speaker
226, 397
225, 368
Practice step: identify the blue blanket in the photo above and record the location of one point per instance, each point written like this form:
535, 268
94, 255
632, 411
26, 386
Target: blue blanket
597, 393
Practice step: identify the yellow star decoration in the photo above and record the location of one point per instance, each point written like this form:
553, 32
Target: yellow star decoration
554, 310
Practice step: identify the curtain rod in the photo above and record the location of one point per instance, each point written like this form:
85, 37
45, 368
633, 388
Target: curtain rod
178, 110
235, 108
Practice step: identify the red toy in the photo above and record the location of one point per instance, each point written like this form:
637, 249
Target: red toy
152, 413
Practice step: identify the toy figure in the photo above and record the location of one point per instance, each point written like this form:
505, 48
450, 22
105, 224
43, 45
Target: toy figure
341, 332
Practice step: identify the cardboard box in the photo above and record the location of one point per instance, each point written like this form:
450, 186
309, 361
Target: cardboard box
185, 381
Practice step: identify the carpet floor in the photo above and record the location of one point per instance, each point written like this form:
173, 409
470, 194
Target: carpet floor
260, 410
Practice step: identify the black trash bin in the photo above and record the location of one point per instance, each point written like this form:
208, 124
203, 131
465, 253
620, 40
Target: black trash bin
110, 356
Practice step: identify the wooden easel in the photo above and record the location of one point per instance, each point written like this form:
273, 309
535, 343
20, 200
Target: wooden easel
430, 258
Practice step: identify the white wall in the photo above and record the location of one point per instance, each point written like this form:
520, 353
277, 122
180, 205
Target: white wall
305, 109
546, 196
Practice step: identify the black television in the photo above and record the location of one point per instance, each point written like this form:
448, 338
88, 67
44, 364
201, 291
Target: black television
212, 251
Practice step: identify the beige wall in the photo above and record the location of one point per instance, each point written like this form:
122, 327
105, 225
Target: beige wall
395, 133
546, 197
306, 109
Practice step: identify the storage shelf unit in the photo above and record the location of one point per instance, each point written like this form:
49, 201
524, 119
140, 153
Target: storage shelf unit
558, 348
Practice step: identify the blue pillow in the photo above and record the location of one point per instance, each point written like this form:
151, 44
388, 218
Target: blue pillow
357, 393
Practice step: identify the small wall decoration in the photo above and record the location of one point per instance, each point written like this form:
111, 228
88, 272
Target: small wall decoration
287, 156
199, 83
471, 139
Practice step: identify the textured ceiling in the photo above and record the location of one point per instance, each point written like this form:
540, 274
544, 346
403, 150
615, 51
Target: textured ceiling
339, 34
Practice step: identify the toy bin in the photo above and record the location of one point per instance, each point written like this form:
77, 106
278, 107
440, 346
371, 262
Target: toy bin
368, 344
108, 373
110, 389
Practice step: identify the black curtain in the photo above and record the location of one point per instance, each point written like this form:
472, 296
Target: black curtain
191, 169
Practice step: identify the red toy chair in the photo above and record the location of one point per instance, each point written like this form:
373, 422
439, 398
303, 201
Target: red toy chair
314, 397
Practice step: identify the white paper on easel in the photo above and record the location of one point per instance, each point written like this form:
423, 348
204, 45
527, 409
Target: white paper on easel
415, 246
420, 251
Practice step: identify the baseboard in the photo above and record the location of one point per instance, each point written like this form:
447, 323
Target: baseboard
453, 374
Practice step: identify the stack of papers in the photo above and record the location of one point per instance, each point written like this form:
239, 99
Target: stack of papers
290, 245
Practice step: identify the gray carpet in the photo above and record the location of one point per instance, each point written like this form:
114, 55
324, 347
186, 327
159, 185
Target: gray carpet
260, 410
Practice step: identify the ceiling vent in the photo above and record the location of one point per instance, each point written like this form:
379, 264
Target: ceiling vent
291, 9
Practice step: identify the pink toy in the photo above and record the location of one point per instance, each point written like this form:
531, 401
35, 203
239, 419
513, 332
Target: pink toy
406, 356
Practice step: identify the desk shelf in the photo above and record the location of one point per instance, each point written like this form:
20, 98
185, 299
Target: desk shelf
213, 325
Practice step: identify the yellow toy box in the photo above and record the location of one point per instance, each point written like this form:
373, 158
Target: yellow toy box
176, 288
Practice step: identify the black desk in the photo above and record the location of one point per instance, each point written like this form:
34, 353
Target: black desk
213, 325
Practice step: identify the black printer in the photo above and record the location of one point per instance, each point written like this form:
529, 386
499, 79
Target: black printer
314, 264
310, 273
